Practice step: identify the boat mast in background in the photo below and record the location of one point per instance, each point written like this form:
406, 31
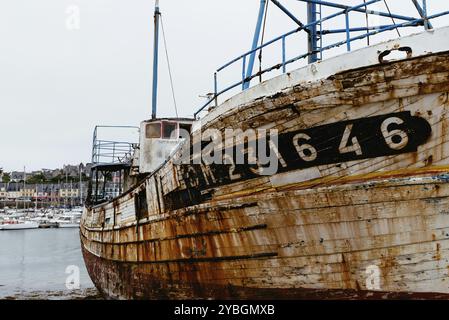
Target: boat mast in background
157, 14
80, 186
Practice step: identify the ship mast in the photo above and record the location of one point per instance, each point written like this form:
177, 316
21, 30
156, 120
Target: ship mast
157, 14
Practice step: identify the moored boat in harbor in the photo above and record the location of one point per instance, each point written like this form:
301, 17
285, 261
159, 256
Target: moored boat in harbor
19, 225
48, 225
69, 219
332, 182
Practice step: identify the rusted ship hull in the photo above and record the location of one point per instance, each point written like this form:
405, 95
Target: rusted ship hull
369, 221
253, 248
144, 286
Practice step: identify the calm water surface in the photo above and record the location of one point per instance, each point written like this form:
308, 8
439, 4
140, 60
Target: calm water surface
33, 264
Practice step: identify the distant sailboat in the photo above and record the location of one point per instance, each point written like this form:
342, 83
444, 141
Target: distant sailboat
18, 225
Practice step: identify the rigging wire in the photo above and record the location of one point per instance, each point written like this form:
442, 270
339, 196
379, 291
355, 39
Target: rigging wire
261, 43
392, 19
367, 22
169, 68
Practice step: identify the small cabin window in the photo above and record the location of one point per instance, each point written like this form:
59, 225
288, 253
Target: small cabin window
169, 130
153, 130
184, 128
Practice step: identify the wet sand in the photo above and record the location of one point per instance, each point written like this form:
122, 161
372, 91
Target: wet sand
84, 294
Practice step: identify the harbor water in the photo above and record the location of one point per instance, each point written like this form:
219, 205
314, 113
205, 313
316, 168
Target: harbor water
43, 264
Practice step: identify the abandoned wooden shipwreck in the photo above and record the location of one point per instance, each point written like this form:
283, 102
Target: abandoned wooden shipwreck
358, 206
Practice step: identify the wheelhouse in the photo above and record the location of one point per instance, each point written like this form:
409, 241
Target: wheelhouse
117, 165
159, 138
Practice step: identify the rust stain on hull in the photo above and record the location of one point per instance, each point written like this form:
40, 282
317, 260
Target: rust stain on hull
145, 286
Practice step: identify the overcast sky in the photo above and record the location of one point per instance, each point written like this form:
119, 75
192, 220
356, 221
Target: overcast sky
58, 78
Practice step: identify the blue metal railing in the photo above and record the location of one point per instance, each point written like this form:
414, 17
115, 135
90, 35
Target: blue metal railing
247, 75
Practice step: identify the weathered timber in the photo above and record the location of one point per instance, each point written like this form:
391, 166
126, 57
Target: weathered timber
363, 219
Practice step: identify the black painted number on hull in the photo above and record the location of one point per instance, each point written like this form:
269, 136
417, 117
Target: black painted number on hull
356, 139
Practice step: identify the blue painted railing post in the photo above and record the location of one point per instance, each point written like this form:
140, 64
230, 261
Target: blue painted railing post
283, 55
348, 33
215, 89
313, 41
243, 72
424, 9
157, 14
252, 57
